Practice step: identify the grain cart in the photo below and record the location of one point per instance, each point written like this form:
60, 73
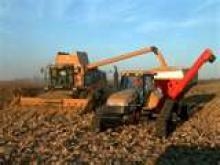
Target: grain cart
155, 92
73, 72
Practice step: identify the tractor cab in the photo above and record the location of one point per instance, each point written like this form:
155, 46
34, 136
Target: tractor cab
134, 87
141, 81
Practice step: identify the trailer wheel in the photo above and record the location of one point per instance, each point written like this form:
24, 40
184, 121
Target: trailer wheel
184, 114
164, 121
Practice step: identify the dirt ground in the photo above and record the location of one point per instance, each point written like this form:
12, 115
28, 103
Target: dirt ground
51, 136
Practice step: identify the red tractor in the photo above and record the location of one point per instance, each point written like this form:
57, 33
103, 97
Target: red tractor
157, 92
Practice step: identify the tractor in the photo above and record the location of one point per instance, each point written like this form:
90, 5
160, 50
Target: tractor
156, 92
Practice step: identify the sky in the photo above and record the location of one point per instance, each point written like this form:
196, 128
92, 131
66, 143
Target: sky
31, 32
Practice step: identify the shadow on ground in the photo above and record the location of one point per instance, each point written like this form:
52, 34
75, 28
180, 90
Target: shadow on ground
198, 101
185, 155
195, 103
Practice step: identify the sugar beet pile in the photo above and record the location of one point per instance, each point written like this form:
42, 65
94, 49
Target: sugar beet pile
47, 135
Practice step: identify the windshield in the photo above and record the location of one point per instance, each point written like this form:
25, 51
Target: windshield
60, 77
132, 82
145, 82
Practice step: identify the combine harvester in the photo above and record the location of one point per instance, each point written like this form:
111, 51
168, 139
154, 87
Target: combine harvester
74, 83
156, 92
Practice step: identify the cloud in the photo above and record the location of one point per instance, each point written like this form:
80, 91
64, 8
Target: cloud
102, 12
5, 7
206, 4
167, 25
182, 24
57, 9
31, 9
77, 11
202, 13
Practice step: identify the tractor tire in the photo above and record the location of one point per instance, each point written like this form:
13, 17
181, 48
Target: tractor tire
136, 116
164, 120
97, 124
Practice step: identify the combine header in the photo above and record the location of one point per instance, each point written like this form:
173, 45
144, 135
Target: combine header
73, 82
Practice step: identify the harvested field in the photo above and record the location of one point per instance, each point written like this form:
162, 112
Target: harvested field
45, 135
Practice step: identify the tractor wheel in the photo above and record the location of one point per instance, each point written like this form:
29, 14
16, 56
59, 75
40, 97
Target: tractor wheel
97, 124
136, 116
164, 121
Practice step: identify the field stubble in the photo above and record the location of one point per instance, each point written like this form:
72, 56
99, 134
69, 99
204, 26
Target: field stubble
48, 135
